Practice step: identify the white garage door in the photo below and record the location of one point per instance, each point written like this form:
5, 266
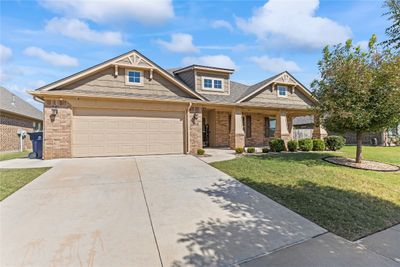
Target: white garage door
99, 132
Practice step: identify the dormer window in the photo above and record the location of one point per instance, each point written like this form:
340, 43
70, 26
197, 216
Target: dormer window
282, 91
134, 77
212, 84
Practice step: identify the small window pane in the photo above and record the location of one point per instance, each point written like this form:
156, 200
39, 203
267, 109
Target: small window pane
271, 126
282, 90
218, 84
134, 76
207, 83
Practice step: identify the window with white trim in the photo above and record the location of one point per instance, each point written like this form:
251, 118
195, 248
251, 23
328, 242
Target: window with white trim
134, 77
212, 84
282, 91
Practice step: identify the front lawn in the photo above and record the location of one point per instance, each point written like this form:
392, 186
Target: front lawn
14, 155
348, 202
13, 179
377, 153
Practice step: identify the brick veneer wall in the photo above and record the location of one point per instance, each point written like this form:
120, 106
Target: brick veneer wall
257, 130
222, 129
196, 133
9, 126
57, 130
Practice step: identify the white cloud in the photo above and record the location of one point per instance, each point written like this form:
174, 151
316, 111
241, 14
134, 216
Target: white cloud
80, 30
180, 42
5, 53
51, 57
147, 12
275, 65
222, 24
221, 61
294, 23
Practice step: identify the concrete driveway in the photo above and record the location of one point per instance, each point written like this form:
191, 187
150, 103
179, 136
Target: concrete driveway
142, 211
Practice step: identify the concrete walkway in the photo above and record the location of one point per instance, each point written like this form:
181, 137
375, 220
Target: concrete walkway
325, 250
218, 154
142, 211
28, 163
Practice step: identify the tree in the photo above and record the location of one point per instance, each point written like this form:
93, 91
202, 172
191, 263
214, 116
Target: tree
358, 91
393, 31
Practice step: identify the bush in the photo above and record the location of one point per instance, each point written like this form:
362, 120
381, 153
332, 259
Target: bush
251, 150
265, 150
306, 144
239, 150
277, 145
292, 145
200, 152
318, 145
334, 142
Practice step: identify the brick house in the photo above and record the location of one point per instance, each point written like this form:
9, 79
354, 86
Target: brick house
15, 115
129, 105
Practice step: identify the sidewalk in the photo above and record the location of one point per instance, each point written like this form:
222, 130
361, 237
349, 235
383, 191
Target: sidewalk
380, 249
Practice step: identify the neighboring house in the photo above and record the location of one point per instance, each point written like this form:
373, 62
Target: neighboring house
16, 115
303, 128
129, 105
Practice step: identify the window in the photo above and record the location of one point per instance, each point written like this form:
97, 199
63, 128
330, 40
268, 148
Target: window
134, 77
248, 126
282, 91
37, 126
207, 83
217, 84
270, 125
212, 84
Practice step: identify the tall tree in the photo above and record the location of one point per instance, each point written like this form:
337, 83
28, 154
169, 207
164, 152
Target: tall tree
358, 91
393, 32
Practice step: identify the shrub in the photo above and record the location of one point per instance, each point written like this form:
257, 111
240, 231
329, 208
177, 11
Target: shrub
251, 150
200, 151
334, 142
277, 145
265, 150
318, 145
306, 144
239, 150
292, 145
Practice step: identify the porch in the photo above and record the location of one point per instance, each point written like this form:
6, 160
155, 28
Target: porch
217, 127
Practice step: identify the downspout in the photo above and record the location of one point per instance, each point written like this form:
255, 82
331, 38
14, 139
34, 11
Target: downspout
188, 128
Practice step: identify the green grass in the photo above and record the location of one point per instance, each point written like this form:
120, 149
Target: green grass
383, 154
13, 179
14, 155
348, 202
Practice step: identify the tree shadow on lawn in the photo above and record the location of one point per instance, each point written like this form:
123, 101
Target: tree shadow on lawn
257, 225
306, 158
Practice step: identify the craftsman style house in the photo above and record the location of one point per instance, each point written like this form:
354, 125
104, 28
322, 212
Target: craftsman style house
129, 105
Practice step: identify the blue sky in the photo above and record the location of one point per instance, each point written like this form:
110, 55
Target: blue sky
43, 41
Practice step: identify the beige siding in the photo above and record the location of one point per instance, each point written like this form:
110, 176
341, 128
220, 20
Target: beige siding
267, 96
224, 77
105, 82
188, 77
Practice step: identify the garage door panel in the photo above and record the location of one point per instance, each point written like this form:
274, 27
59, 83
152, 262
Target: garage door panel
112, 133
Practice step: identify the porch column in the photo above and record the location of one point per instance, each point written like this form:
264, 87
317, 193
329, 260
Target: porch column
290, 126
195, 129
282, 130
237, 134
318, 131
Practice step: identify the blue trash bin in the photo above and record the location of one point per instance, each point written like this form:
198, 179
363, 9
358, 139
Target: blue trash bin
37, 145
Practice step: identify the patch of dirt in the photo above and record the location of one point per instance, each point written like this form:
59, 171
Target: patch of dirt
364, 165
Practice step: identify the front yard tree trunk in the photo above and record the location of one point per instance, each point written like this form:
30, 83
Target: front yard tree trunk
359, 147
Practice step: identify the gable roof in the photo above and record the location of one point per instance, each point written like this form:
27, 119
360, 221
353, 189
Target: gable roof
117, 61
258, 87
9, 102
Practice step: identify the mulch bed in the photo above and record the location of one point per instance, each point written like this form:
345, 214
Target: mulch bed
364, 165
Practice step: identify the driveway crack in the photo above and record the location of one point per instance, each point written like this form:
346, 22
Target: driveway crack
148, 212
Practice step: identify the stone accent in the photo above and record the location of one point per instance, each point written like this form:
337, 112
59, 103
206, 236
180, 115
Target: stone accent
9, 126
57, 130
237, 134
282, 130
195, 129
319, 132
222, 129
236, 140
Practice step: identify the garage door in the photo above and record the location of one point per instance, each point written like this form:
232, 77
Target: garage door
98, 132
